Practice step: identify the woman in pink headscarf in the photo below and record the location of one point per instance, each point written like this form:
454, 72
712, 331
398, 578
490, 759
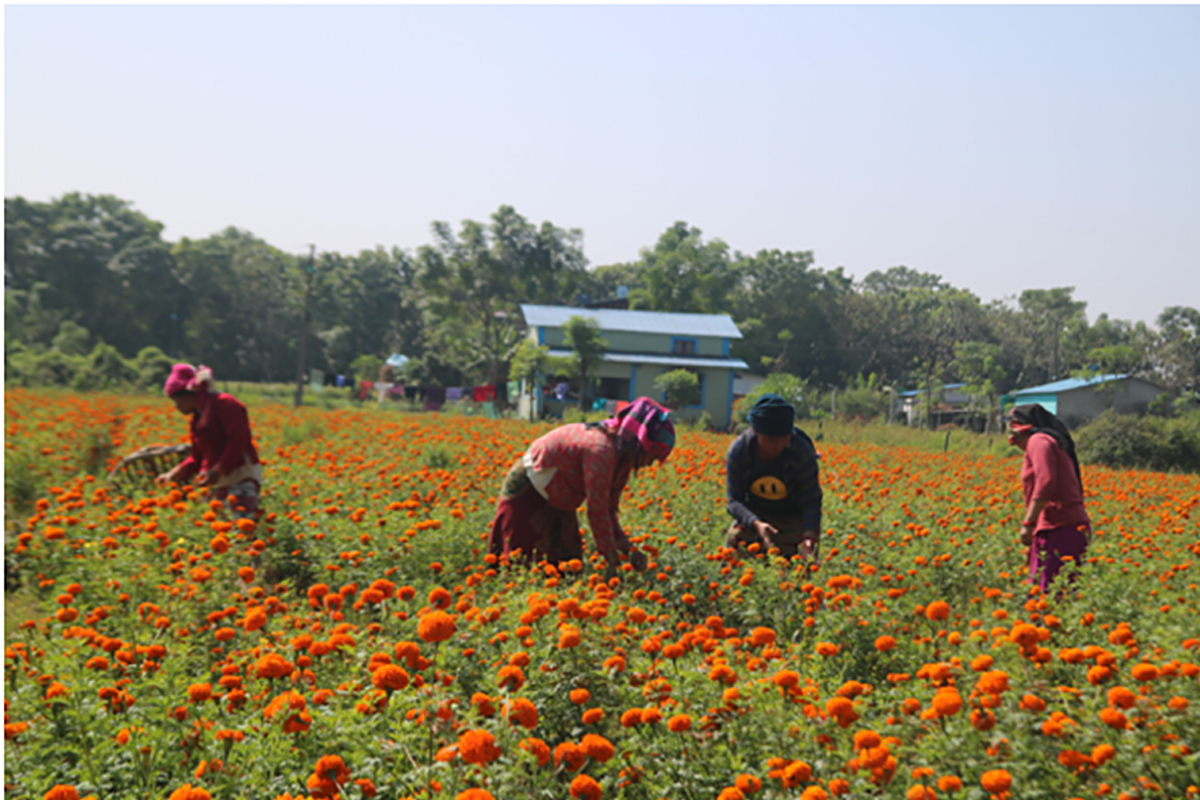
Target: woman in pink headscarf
573, 463
223, 453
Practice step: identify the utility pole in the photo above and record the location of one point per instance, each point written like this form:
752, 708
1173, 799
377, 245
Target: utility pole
309, 272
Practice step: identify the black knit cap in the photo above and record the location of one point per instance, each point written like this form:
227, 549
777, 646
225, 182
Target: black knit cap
772, 415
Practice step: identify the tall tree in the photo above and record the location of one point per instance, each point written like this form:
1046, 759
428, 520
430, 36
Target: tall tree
1045, 314
582, 335
1177, 349
684, 273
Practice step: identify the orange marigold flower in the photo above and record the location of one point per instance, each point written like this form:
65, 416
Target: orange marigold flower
537, 748
864, 740
814, 793
1144, 672
586, 788
1102, 753
1032, 702
651, 716
631, 717
1114, 719
950, 783
273, 665
786, 679
61, 792
996, 781
827, 649
885, 643
436, 626
199, 692
1178, 703
1120, 697
593, 716
56, 689
760, 637
597, 747
580, 696
731, 793
478, 747
474, 794
188, 792
748, 784
947, 702
523, 712
679, 723
390, 678
937, 610
919, 792
571, 754
993, 682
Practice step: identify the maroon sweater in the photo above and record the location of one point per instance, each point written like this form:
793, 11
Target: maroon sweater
1047, 473
221, 437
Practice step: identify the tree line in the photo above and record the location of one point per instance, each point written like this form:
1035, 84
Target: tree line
91, 277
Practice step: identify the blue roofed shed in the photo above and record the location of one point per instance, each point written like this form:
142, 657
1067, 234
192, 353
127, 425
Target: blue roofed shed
1077, 400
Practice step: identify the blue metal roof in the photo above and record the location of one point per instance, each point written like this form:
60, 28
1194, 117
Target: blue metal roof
613, 319
915, 392
663, 360
1066, 385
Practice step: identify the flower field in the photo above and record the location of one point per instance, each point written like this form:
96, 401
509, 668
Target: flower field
355, 643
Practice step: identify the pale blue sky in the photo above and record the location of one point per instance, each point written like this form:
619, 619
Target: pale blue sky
1001, 147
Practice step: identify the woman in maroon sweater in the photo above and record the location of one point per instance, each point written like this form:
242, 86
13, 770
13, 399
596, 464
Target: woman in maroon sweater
223, 452
1056, 525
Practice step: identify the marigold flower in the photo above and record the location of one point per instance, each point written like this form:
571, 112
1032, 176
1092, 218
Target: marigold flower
188, 792
631, 717
996, 781
731, 793
748, 784
199, 692
950, 783
273, 665
571, 754
651, 716
885, 643
1102, 753
436, 626
521, 711
786, 679
537, 748
1120, 697
827, 649
597, 747
390, 678
1144, 672
586, 788
61, 792
593, 716
474, 794
993, 682
947, 702
679, 723
937, 610
919, 792
478, 747
1114, 719
864, 740
814, 793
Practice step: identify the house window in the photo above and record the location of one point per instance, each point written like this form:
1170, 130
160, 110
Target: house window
683, 347
613, 389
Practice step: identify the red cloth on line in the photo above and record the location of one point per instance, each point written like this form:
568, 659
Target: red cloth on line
365, 388
483, 394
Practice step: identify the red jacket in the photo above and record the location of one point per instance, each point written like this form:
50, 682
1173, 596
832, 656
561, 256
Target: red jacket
221, 437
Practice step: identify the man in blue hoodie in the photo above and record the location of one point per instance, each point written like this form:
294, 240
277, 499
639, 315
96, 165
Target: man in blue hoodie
772, 484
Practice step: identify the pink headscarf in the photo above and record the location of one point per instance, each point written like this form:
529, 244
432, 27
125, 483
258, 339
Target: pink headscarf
186, 378
647, 423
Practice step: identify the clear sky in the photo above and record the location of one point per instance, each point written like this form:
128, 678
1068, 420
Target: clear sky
1001, 147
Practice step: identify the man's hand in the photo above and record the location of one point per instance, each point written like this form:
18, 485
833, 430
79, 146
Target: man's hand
808, 547
1027, 535
207, 477
168, 476
765, 531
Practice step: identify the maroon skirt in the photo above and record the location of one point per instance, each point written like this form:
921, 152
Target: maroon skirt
526, 523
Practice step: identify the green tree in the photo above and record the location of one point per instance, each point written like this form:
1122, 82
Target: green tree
684, 273
1177, 350
679, 387
978, 365
582, 335
1045, 314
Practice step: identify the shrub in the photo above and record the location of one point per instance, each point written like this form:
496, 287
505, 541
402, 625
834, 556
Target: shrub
366, 367
104, 369
784, 384
680, 387
1123, 440
152, 366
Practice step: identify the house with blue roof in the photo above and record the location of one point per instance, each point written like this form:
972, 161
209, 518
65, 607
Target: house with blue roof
641, 346
951, 405
1077, 400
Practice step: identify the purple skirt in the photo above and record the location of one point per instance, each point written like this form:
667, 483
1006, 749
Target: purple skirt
1049, 550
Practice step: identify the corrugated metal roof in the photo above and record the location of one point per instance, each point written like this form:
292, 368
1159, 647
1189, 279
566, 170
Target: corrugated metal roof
663, 360
1066, 385
614, 319
914, 392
